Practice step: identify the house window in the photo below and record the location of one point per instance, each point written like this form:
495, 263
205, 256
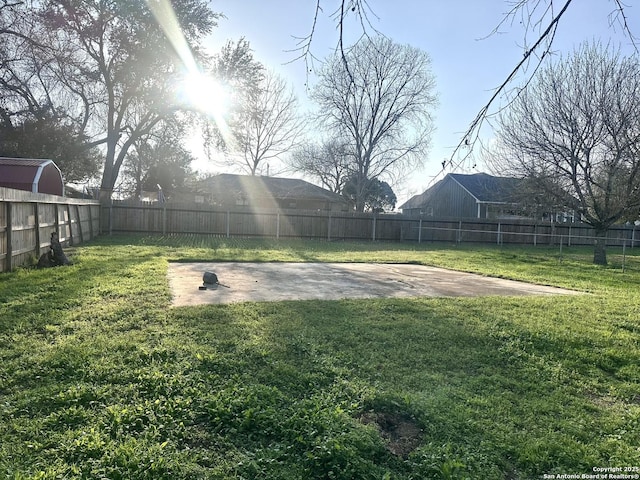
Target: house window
429, 211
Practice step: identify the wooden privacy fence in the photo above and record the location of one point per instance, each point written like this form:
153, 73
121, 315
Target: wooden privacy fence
28, 219
193, 219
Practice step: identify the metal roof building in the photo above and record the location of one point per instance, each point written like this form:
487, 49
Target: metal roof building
32, 175
466, 196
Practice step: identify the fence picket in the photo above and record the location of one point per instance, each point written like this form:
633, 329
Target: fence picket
245, 222
29, 218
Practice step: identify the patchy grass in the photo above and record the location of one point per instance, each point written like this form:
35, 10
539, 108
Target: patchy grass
99, 378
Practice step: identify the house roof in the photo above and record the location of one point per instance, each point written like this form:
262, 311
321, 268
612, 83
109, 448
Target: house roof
482, 186
418, 201
258, 187
487, 188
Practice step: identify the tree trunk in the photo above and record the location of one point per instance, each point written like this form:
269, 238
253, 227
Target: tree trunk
600, 248
105, 195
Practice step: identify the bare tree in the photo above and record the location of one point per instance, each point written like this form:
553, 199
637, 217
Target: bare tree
379, 97
266, 126
116, 58
539, 20
327, 161
575, 133
26, 85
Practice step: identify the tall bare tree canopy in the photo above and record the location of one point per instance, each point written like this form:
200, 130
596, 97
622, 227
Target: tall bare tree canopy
539, 20
575, 134
261, 121
379, 97
109, 63
326, 161
266, 125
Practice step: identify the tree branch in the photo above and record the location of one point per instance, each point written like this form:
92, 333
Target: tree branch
474, 128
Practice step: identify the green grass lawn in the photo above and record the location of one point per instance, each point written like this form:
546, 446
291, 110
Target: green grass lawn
100, 378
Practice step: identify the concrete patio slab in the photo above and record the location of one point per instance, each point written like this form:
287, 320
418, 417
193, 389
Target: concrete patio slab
262, 282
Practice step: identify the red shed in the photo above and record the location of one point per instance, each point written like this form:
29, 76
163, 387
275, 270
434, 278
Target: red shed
31, 174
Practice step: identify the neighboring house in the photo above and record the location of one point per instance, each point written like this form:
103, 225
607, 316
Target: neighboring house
467, 196
257, 192
32, 175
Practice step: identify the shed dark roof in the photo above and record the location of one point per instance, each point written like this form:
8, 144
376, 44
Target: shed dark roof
482, 186
20, 170
31, 174
487, 188
24, 162
418, 201
267, 187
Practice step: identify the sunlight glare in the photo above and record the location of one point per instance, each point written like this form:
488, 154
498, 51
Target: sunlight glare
206, 94
196, 89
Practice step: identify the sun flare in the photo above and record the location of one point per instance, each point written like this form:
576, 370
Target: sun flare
206, 94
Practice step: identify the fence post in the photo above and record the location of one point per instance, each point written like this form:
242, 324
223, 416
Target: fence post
57, 222
79, 223
420, 231
278, 226
373, 234
329, 229
9, 235
91, 233
36, 212
228, 222
459, 236
569, 237
498, 240
535, 234
70, 220
111, 217
164, 218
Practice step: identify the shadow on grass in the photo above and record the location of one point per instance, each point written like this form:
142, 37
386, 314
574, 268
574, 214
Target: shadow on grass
100, 380
473, 382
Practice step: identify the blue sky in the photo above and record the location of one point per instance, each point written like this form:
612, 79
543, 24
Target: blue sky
468, 61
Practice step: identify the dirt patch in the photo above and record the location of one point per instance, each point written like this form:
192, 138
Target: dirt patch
401, 433
260, 282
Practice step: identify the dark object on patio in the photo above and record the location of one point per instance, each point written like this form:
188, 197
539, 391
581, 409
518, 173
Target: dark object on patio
210, 278
55, 256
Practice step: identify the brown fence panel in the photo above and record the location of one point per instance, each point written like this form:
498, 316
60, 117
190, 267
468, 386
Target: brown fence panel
441, 231
195, 221
199, 219
578, 235
28, 219
47, 222
23, 232
390, 227
516, 232
251, 224
303, 225
135, 219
